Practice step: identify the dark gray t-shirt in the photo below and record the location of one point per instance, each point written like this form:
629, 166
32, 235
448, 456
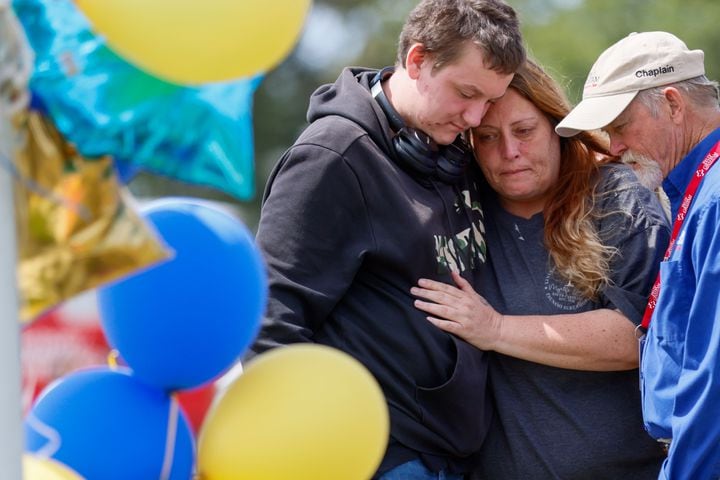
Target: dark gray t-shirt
555, 423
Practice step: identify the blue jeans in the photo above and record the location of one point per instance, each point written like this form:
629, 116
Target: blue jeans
416, 470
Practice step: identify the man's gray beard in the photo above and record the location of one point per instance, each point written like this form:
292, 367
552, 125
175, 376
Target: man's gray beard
646, 169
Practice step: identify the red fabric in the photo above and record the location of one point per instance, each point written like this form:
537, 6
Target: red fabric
70, 338
195, 404
57, 344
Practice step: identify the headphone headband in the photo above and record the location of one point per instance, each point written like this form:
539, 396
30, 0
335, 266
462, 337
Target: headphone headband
396, 121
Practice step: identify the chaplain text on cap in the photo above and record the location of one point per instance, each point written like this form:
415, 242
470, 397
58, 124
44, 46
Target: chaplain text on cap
637, 62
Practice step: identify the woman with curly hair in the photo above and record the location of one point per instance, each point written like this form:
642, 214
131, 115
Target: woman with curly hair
574, 243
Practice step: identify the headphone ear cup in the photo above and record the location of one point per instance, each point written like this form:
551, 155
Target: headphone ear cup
452, 161
416, 152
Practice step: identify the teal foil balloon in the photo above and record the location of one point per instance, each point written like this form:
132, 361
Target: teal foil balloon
105, 106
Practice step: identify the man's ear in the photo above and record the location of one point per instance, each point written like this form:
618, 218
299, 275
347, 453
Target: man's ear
677, 104
416, 56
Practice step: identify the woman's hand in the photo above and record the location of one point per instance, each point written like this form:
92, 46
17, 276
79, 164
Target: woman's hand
460, 311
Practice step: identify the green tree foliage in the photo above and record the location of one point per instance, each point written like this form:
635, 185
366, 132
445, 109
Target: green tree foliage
568, 40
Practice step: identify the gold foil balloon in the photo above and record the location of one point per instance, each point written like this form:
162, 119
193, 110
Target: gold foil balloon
76, 229
192, 41
301, 412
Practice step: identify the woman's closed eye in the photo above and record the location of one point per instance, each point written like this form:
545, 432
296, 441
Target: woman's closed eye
524, 131
485, 137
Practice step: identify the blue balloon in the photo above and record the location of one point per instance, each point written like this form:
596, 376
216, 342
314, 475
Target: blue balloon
182, 323
106, 424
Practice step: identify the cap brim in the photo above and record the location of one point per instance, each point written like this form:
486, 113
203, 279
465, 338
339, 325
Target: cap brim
594, 113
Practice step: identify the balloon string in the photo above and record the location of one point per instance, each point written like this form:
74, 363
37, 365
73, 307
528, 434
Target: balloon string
170, 438
53, 436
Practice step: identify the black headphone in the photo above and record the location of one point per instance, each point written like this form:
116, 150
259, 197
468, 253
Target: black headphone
415, 151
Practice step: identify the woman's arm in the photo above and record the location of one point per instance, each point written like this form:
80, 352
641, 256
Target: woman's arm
598, 340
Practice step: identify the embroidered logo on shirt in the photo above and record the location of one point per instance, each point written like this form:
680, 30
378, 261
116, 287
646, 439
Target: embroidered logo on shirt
562, 294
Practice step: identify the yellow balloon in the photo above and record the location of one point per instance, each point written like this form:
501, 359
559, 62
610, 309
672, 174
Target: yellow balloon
199, 41
298, 412
36, 468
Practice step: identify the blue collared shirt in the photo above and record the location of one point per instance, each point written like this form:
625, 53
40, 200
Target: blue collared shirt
680, 367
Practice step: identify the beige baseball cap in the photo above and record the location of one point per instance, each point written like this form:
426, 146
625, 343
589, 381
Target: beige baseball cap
637, 62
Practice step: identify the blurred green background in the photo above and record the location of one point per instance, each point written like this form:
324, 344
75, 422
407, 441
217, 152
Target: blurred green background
566, 36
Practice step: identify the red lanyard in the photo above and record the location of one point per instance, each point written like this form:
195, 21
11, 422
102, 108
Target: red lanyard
679, 219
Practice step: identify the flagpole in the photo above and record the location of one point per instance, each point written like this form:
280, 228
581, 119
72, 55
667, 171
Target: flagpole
11, 435
11, 432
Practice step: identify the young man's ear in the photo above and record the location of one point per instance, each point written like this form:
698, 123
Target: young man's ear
416, 56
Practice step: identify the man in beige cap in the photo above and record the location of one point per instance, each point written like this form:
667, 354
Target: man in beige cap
649, 93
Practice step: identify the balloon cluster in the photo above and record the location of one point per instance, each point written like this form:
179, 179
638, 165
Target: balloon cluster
177, 326
303, 412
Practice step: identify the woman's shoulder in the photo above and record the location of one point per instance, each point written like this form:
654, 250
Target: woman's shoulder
617, 175
620, 196
618, 186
